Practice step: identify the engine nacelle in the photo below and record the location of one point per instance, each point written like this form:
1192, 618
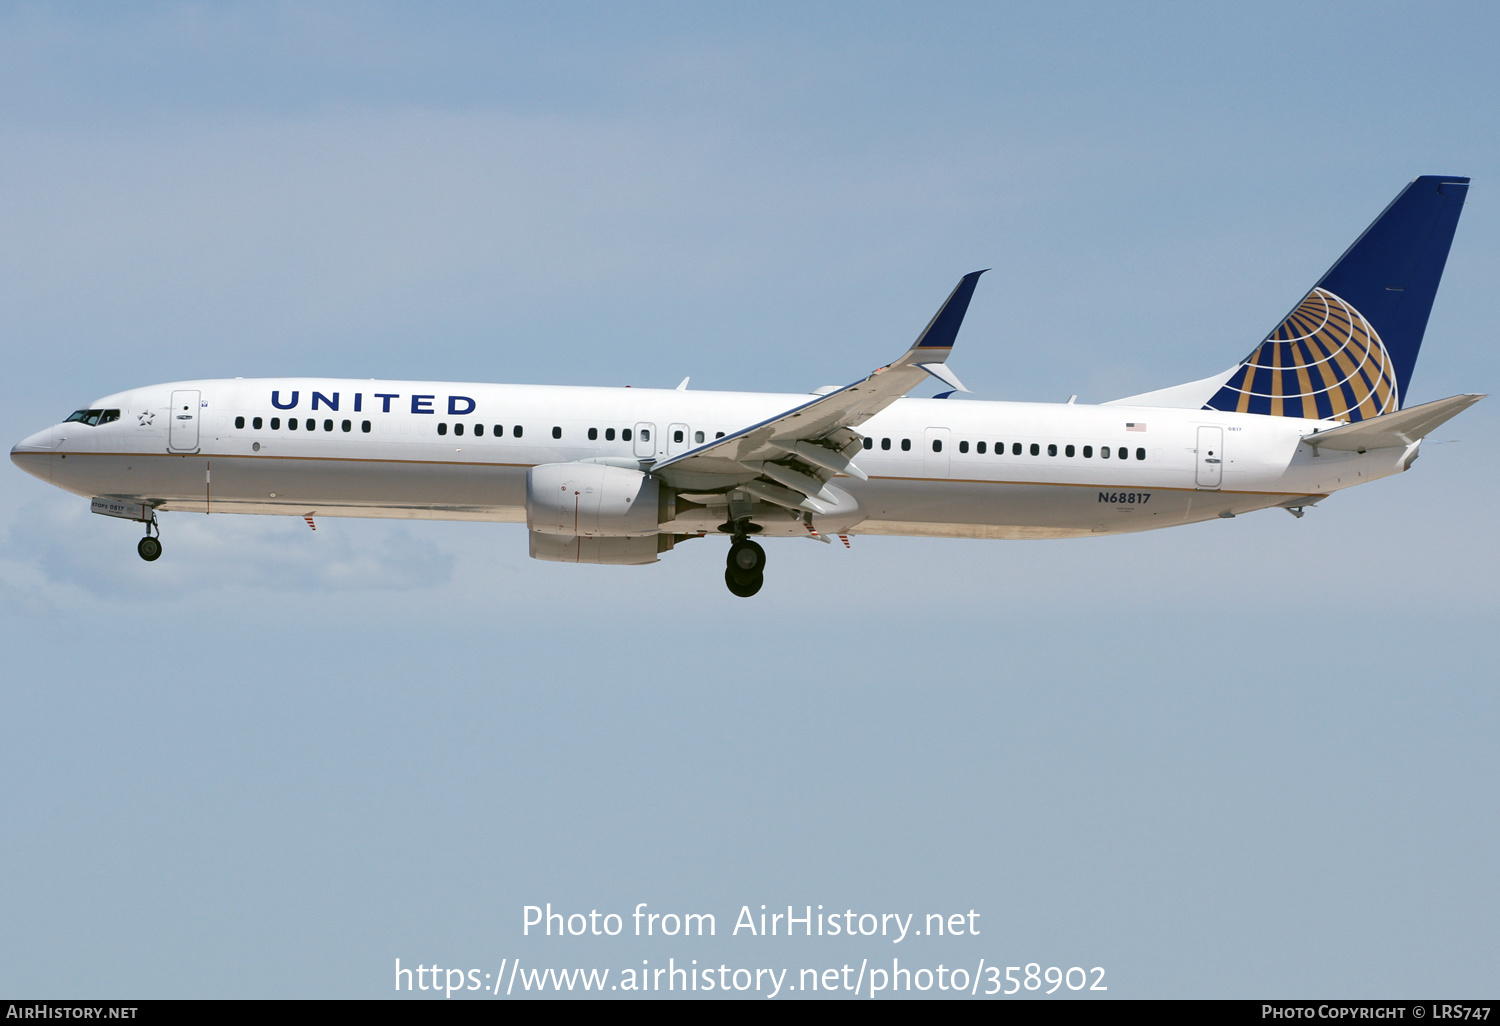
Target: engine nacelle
620, 551
592, 500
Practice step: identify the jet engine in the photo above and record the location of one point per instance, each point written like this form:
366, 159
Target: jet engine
595, 500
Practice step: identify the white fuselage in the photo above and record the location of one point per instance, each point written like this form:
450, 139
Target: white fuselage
460, 451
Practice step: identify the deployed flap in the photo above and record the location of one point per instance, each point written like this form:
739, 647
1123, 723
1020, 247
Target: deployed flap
738, 457
1393, 430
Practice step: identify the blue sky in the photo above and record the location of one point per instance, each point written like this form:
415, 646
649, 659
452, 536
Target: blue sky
1238, 759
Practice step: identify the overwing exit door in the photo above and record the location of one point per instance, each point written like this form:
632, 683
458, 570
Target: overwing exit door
182, 433
645, 444
1210, 457
935, 452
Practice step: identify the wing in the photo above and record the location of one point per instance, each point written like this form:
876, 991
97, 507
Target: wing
787, 459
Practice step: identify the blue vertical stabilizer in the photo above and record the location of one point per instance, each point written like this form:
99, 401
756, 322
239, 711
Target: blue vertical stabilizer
1347, 350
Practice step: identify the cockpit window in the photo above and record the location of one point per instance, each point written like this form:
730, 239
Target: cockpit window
93, 417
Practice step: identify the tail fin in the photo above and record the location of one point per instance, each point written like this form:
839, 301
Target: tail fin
1348, 349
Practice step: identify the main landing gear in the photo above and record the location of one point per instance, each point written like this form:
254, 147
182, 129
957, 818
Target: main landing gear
746, 568
150, 546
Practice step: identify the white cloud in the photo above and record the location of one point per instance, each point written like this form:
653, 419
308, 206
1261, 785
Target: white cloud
55, 555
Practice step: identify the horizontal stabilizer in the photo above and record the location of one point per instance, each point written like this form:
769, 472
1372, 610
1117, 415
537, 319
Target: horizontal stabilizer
1393, 430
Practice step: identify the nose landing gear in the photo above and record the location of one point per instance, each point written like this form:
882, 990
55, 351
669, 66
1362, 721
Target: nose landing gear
149, 547
745, 572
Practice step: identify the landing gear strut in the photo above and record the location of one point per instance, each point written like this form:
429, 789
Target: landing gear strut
746, 565
150, 546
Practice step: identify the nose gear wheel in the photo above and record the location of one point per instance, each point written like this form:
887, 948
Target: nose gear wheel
149, 547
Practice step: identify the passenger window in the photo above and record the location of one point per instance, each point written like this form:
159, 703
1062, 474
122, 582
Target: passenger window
1051, 449
937, 445
1036, 450
1088, 452
478, 430
885, 443
979, 448
458, 429
964, 446
557, 432
1104, 452
442, 429
593, 434
516, 431
906, 445
256, 423
364, 426
609, 434
718, 434
327, 425
1140, 454
239, 423
1124, 453
645, 434
291, 423
624, 434
697, 436
676, 436
275, 423
1068, 451
869, 442
1015, 449
499, 430
347, 425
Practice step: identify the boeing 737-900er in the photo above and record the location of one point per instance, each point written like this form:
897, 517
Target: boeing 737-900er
621, 475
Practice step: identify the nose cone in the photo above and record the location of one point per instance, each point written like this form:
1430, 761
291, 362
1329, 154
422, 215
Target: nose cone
33, 453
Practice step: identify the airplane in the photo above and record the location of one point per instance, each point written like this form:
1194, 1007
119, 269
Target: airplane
621, 475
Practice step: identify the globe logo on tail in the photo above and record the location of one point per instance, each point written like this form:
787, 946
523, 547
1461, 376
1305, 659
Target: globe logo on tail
1325, 361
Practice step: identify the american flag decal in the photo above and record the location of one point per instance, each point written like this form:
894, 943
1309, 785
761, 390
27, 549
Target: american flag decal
1135, 425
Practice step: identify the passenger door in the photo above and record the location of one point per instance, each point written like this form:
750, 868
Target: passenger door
679, 439
182, 433
1210, 457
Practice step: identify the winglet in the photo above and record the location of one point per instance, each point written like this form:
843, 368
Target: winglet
943, 328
